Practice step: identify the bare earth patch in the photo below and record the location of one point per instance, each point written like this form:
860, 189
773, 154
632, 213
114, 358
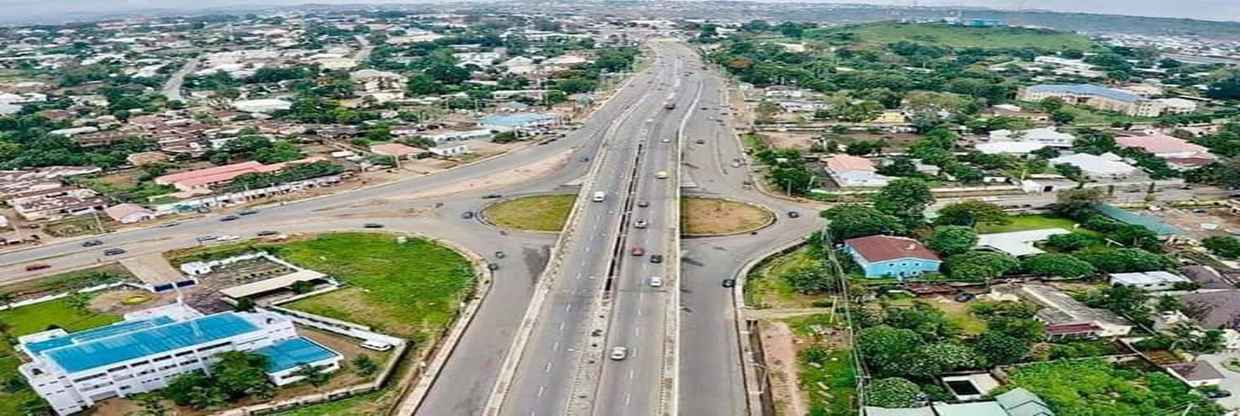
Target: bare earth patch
781, 359
711, 216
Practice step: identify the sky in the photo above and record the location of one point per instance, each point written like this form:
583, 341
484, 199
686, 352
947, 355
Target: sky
1196, 9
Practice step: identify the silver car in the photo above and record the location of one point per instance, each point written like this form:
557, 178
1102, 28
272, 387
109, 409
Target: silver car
619, 353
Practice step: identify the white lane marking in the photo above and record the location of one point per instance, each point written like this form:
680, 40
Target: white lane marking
547, 369
627, 397
561, 327
630, 374
637, 331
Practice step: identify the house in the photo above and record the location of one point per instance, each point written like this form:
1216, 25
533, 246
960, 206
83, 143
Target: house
129, 213
887, 256
1008, 148
1206, 277
1016, 402
55, 203
1149, 281
1096, 167
520, 121
1222, 308
201, 180
854, 171
395, 150
1094, 96
1127, 217
1046, 136
1196, 374
1066, 317
145, 352
372, 80
890, 117
449, 150
269, 105
1177, 105
1178, 152
1017, 243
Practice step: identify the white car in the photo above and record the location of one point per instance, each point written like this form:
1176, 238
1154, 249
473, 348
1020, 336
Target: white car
371, 344
656, 281
619, 353
661, 175
667, 140
228, 238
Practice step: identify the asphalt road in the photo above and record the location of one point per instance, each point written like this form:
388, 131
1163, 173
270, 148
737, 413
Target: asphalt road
172, 87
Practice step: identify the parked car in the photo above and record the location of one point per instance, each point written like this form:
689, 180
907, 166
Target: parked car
372, 225
657, 258
114, 252
500, 254
638, 251
92, 243
661, 175
965, 297
228, 237
230, 218
700, 141
794, 214
37, 266
729, 282
492, 266
467, 215
1215, 393
205, 238
619, 353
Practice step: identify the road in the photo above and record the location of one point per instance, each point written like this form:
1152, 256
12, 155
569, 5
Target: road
172, 87
363, 54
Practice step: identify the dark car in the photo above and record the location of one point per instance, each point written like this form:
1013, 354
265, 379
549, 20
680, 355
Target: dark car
965, 297
794, 214
729, 282
700, 141
500, 254
265, 233
1215, 393
114, 252
248, 212
643, 204
492, 196
492, 266
657, 258
92, 243
38, 266
372, 225
230, 218
467, 215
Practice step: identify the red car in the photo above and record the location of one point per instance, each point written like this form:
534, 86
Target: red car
638, 251
37, 266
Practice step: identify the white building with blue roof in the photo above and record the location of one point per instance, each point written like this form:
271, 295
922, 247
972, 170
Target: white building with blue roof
1095, 96
144, 353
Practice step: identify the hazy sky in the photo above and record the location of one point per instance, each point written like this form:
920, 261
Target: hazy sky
1197, 9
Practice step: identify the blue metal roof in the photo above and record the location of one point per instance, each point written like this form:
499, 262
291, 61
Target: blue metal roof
1087, 89
126, 346
1127, 217
515, 120
92, 334
293, 353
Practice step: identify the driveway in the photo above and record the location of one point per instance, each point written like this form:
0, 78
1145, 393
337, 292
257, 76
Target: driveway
1231, 379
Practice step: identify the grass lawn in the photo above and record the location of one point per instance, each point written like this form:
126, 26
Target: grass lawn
879, 34
67, 281
532, 213
361, 405
766, 287
837, 373
955, 312
34, 318
1028, 222
711, 216
413, 290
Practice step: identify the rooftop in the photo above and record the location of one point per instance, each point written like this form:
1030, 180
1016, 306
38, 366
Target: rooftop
1160, 144
1147, 278
1087, 89
293, 353
124, 345
882, 248
1018, 243
1196, 371
1127, 217
93, 334
846, 163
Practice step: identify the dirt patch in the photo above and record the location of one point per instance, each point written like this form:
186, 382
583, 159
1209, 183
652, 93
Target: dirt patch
780, 353
790, 140
517, 175
124, 301
711, 216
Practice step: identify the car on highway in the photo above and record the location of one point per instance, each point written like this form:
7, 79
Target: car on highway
619, 353
227, 237
248, 212
38, 266
643, 203
656, 281
638, 251
230, 218
467, 215
599, 196
492, 266
205, 238
794, 214
666, 140
372, 225
114, 252
729, 282
500, 254
169, 225
657, 258
639, 224
92, 243
492, 196
700, 141
265, 233
661, 174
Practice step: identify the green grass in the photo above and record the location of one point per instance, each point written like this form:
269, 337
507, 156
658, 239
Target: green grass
360, 405
67, 281
883, 33
532, 213
35, 318
838, 374
1028, 222
766, 287
412, 290
955, 312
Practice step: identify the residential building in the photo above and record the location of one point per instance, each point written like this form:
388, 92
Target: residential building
890, 117
1148, 281
854, 171
1206, 277
145, 352
1046, 136
520, 121
1128, 217
395, 150
887, 256
1196, 373
1178, 152
1066, 317
202, 179
1016, 402
1017, 243
1097, 167
1177, 105
1094, 96
1008, 148
1222, 308
450, 150
129, 213
269, 105
55, 203
372, 80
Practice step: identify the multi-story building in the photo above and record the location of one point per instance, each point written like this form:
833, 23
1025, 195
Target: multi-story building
1094, 96
74, 371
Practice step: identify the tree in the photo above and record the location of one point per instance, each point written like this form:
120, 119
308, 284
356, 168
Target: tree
980, 266
1077, 203
1126, 301
244, 305
884, 347
313, 375
1071, 172
952, 240
935, 359
865, 147
852, 220
364, 366
1223, 246
181, 389
1225, 89
152, 405
241, 374
971, 213
1072, 241
1123, 260
905, 199
930, 323
893, 392
1063, 117
1025, 329
1058, 265
900, 166
1051, 104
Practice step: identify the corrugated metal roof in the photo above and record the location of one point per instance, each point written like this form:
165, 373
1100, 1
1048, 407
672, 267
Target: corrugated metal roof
293, 353
129, 345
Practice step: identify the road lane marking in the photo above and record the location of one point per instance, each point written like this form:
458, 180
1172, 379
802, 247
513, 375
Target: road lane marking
568, 307
627, 398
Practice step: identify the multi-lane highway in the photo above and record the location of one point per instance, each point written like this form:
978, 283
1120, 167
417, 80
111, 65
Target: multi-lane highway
602, 296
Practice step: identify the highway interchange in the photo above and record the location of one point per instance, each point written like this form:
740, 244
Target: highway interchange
601, 296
